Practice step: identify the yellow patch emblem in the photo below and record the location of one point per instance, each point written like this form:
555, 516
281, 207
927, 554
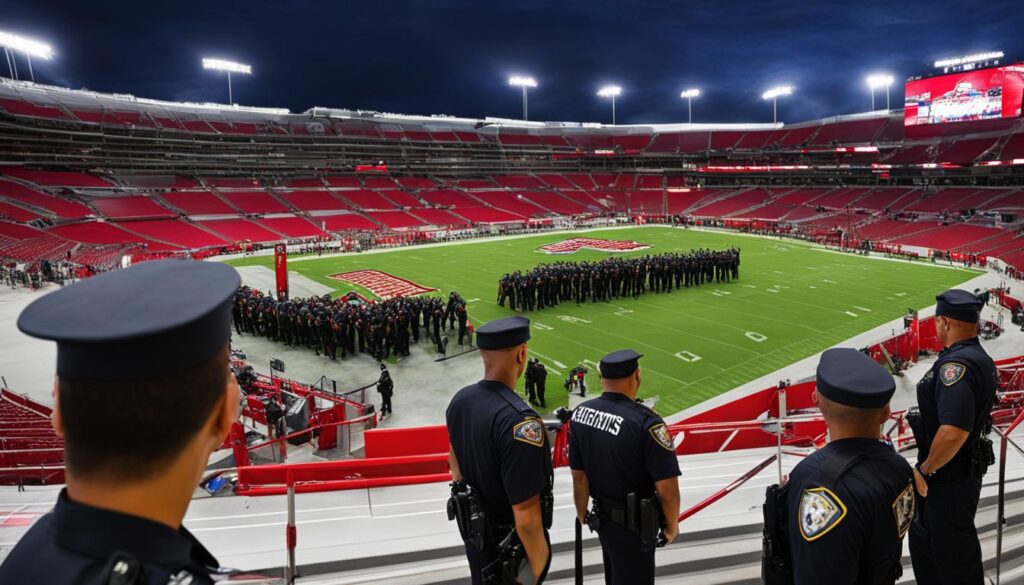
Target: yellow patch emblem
661, 436
903, 509
530, 431
820, 511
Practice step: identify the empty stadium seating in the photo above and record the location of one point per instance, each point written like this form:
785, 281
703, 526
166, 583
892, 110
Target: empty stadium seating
240, 230
734, 203
292, 226
57, 206
366, 199
198, 203
255, 202
313, 200
395, 219
133, 207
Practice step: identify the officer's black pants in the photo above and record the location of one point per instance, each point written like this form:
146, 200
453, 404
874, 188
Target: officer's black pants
385, 406
480, 559
540, 394
624, 562
944, 544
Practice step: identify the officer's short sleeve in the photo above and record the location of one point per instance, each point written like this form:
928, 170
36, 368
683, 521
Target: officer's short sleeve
522, 445
954, 395
575, 455
659, 452
826, 537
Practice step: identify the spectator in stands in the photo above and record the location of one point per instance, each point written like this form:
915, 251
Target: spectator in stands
143, 396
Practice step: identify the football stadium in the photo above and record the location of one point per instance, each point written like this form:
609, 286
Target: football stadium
498, 349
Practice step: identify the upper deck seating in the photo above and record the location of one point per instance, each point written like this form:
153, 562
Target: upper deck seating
255, 202
198, 203
131, 207
313, 200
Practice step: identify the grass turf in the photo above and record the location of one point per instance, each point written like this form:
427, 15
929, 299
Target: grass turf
792, 300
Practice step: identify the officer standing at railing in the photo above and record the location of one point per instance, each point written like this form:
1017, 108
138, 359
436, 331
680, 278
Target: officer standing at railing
842, 517
143, 396
955, 400
501, 465
621, 454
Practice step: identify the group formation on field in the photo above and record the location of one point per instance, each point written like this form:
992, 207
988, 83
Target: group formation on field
349, 323
613, 278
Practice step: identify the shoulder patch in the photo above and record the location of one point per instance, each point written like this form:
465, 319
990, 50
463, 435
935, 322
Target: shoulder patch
661, 436
951, 372
530, 431
903, 509
820, 511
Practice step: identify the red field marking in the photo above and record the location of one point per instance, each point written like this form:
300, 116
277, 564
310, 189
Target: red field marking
382, 284
572, 245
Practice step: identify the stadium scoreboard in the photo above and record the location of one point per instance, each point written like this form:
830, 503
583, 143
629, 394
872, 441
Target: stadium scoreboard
965, 96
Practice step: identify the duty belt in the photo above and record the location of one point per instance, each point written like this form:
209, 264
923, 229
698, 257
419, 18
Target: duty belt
612, 510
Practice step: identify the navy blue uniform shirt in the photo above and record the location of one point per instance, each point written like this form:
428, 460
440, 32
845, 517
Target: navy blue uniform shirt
74, 543
851, 534
623, 447
501, 446
958, 391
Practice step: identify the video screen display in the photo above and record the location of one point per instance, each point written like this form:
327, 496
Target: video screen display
967, 96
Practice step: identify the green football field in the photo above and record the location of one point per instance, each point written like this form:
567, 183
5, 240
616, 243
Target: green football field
792, 300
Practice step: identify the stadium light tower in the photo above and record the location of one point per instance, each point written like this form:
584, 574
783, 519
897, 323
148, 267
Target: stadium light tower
229, 67
31, 47
876, 81
525, 83
688, 95
774, 94
611, 91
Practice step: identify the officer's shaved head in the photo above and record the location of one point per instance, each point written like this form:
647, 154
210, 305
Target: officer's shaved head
504, 362
851, 420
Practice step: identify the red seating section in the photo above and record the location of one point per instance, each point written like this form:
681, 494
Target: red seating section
133, 207
365, 199
175, 232
198, 203
57, 206
240, 230
58, 178
255, 202
292, 226
313, 201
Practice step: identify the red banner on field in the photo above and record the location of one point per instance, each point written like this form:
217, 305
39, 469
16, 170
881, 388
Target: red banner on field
281, 269
382, 284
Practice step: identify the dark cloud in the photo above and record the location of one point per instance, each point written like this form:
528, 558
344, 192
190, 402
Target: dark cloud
454, 56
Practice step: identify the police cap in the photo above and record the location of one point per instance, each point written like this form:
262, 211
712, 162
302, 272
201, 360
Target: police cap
502, 333
147, 321
958, 304
619, 364
850, 377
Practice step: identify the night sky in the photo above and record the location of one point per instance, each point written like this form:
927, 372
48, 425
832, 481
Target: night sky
455, 56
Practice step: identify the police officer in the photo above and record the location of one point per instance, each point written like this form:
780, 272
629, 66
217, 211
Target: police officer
143, 396
499, 448
848, 505
540, 379
955, 400
386, 387
621, 453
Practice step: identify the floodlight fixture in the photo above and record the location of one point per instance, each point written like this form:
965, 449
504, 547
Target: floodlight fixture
225, 65
520, 81
688, 95
774, 94
880, 80
525, 83
953, 62
610, 91
31, 47
228, 67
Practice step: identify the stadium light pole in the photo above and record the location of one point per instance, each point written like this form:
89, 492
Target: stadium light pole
876, 81
688, 95
31, 47
525, 83
774, 94
611, 91
229, 67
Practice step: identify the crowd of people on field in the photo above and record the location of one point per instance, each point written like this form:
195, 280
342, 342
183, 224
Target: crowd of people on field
612, 278
349, 323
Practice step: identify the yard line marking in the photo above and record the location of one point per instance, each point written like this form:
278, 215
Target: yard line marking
554, 361
865, 309
851, 314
